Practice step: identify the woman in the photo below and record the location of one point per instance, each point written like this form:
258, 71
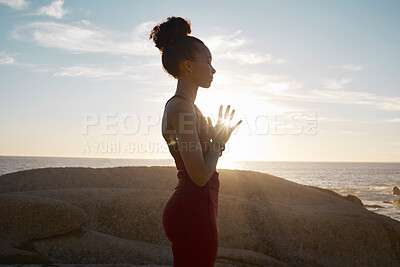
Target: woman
190, 215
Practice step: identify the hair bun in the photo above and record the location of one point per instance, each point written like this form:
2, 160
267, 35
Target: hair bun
170, 30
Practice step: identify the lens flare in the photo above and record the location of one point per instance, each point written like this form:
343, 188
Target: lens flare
172, 141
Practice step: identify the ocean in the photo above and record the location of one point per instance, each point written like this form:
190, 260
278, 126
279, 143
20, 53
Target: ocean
371, 182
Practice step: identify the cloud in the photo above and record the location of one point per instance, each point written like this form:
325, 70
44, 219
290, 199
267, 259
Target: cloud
85, 37
345, 97
393, 120
284, 88
10, 60
352, 67
90, 72
232, 46
247, 57
266, 83
350, 132
346, 132
137, 73
332, 119
336, 84
16, 4
54, 9
6, 59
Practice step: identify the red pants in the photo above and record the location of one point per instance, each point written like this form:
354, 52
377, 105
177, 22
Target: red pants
190, 222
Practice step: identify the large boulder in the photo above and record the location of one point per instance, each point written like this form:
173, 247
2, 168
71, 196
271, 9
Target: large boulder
128, 213
91, 247
75, 177
25, 217
354, 200
86, 246
10, 255
260, 216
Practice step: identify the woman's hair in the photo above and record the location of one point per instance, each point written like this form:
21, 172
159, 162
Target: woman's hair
171, 38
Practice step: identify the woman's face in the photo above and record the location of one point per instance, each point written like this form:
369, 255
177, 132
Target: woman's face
203, 71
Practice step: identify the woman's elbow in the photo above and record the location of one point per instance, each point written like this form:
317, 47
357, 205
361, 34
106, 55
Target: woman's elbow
199, 176
199, 180
202, 180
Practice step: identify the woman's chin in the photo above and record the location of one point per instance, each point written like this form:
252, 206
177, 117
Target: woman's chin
208, 85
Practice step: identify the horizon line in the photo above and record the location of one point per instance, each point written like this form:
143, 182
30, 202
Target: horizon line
308, 161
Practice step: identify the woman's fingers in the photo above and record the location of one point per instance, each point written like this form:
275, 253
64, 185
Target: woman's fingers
220, 114
236, 125
209, 121
233, 112
221, 127
210, 126
227, 112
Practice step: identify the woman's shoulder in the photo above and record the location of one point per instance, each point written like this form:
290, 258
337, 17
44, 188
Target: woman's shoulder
179, 105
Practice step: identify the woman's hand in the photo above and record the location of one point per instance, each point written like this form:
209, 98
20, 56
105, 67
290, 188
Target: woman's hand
222, 130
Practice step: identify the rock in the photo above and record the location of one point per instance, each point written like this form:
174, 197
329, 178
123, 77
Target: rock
260, 216
350, 198
251, 258
10, 255
119, 177
86, 246
126, 213
101, 248
395, 191
132, 214
26, 217
354, 200
396, 202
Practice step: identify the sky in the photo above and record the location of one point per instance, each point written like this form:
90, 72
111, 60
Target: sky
311, 80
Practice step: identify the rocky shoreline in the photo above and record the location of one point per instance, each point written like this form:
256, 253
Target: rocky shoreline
103, 216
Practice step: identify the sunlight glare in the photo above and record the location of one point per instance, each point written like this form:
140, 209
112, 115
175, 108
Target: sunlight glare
226, 162
248, 108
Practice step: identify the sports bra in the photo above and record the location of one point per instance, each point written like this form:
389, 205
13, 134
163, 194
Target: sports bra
202, 130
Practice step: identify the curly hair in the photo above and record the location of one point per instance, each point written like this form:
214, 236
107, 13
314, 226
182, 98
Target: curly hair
171, 38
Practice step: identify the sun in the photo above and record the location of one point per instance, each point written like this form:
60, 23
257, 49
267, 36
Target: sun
209, 103
246, 141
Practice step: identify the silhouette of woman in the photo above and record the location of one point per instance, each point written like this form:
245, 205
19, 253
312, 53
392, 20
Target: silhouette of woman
190, 215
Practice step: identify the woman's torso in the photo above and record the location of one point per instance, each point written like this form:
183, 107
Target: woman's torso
169, 133
204, 137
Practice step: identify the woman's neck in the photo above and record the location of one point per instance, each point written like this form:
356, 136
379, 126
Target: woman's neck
187, 89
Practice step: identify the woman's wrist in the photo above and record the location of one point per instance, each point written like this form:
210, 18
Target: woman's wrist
218, 145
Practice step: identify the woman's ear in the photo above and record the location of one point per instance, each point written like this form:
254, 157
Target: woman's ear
188, 66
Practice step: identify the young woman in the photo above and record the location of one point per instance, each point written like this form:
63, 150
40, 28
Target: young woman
190, 215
